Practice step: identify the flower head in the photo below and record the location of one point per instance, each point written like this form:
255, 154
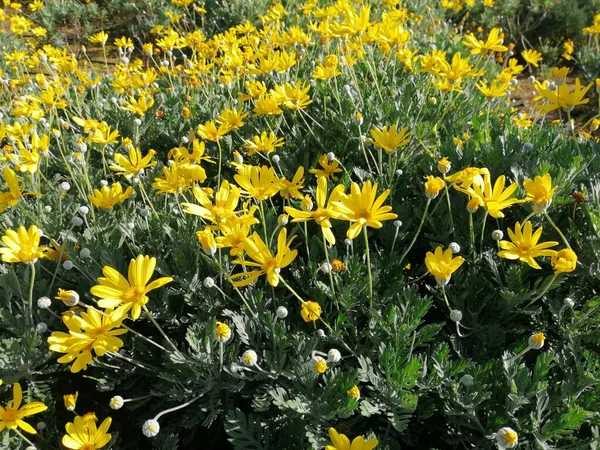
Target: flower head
442, 265
11, 416
114, 290
259, 183
310, 311
506, 438
524, 245
353, 392
536, 340
319, 365
22, 245
540, 192
389, 139
71, 401
564, 261
433, 186
444, 165
328, 168
532, 57
222, 332
131, 165
107, 198
341, 442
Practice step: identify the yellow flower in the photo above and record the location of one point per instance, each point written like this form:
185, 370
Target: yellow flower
225, 202
562, 97
210, 132
69, 298
84, 435
267, 105
495, 199
341, 442
22, 245
444, 165
389, 139
536, 340
222, 332
107, 198
233, 235
363, 209
114, 290
99, 38
568, 49
15, 192
524, 245
71, 401
328, 168
522, 120
266, 142
353, 392
291, 189
337, 265
132, 166
89, 331
293, 97
11, 416
259, 183
564, 261
310, 311
262, 258
433, 186
104, 135
320, 366
507, 438
492, 44
532, 57
442, 265
139, 106
494, 90
232, 118
540, 192
207, 241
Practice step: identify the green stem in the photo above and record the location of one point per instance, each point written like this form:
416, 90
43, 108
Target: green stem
31, 283
366, 233
449, 206
446, 299
482, 235
220, 162
417, 233
220, 357
472, 232
22, 436
537, 297
557, 230
160, 330
328, 266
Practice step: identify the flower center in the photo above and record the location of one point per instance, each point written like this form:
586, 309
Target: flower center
11, 415
524, 249
363, 214
133, 294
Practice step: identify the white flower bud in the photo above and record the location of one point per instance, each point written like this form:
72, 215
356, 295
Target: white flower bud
348, 242
84, 210
48, 208
41, 327
41, 426
85, 253
456, 315
131, 225
330, 156
238, 158
334, 355
276, 159
454, 247
552, 86
399, 172
185, 140
397, 223
73, 299
125, 60
116, 402
137, 122
44, 302
68, 265
321, 333
103, 183
467, 380
208, 283
568, 302
282, 312
506, 438
497, 235
77, 221
325, 267
64, 186
249, 358
531, 79
30, 447
150, 428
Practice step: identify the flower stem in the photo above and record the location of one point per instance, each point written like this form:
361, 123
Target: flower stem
220, 162
166, 411
329, 266
482, 234
449, 206
369, 266
537, 297
22, 436
557, 229
446, 298
472, 232
160, 330
31, 283
220, 357
417, 233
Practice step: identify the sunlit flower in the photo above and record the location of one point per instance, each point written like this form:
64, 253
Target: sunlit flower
441, 264
221, 208
310, 311
540, 192
22, 245
353, 392
222, 332
328, 168
71, 401
107, 198
444, 165
11, 416
532, 57
266, 142
564, 261
433, 186
493, 43
319, 365
341, 442
506, 438
536, 340
259, 183
84, 435
389, 139
524, 245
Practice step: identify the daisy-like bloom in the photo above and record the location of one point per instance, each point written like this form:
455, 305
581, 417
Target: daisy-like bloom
524, 245
99, 38
540, 192
266, 142
210, 132
71, 401
389, 139
232, 118
310, 311
522, 120
564, 261
507, 438
267, 105
444, 165
532, 57
114, 290
465, 178
562, 97
207, 241
433, 186
492, 44
222, 332
328, 168
536, 340
131, 166
319, 365
568, 49
259, 183
291, 189
225, 202
89, 331
104, 135
442, 265
495, 199
11, 416
494, 90
363, 209
107, 198
337, 265
84, 435
22, 245
353, 392
15, 192
233, 235
139, 106
262, 258
341, 442
293, 97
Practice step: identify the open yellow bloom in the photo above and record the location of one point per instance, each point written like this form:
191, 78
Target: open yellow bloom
12, 415
493, 42
99, 38
433, 186
16, 186
363, 209
22, 245
114, 290
540, 192
88, 331
291, 189
524, 245
82, 434
210, 132
139, 106
107, 198
225, 202
495, 199
389, 139
328, 168
266, 142
564, 261
259, 183
532, 57
262, 258
562, 97
132, 166
341, 442
310, 311
442, 265
233, 235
